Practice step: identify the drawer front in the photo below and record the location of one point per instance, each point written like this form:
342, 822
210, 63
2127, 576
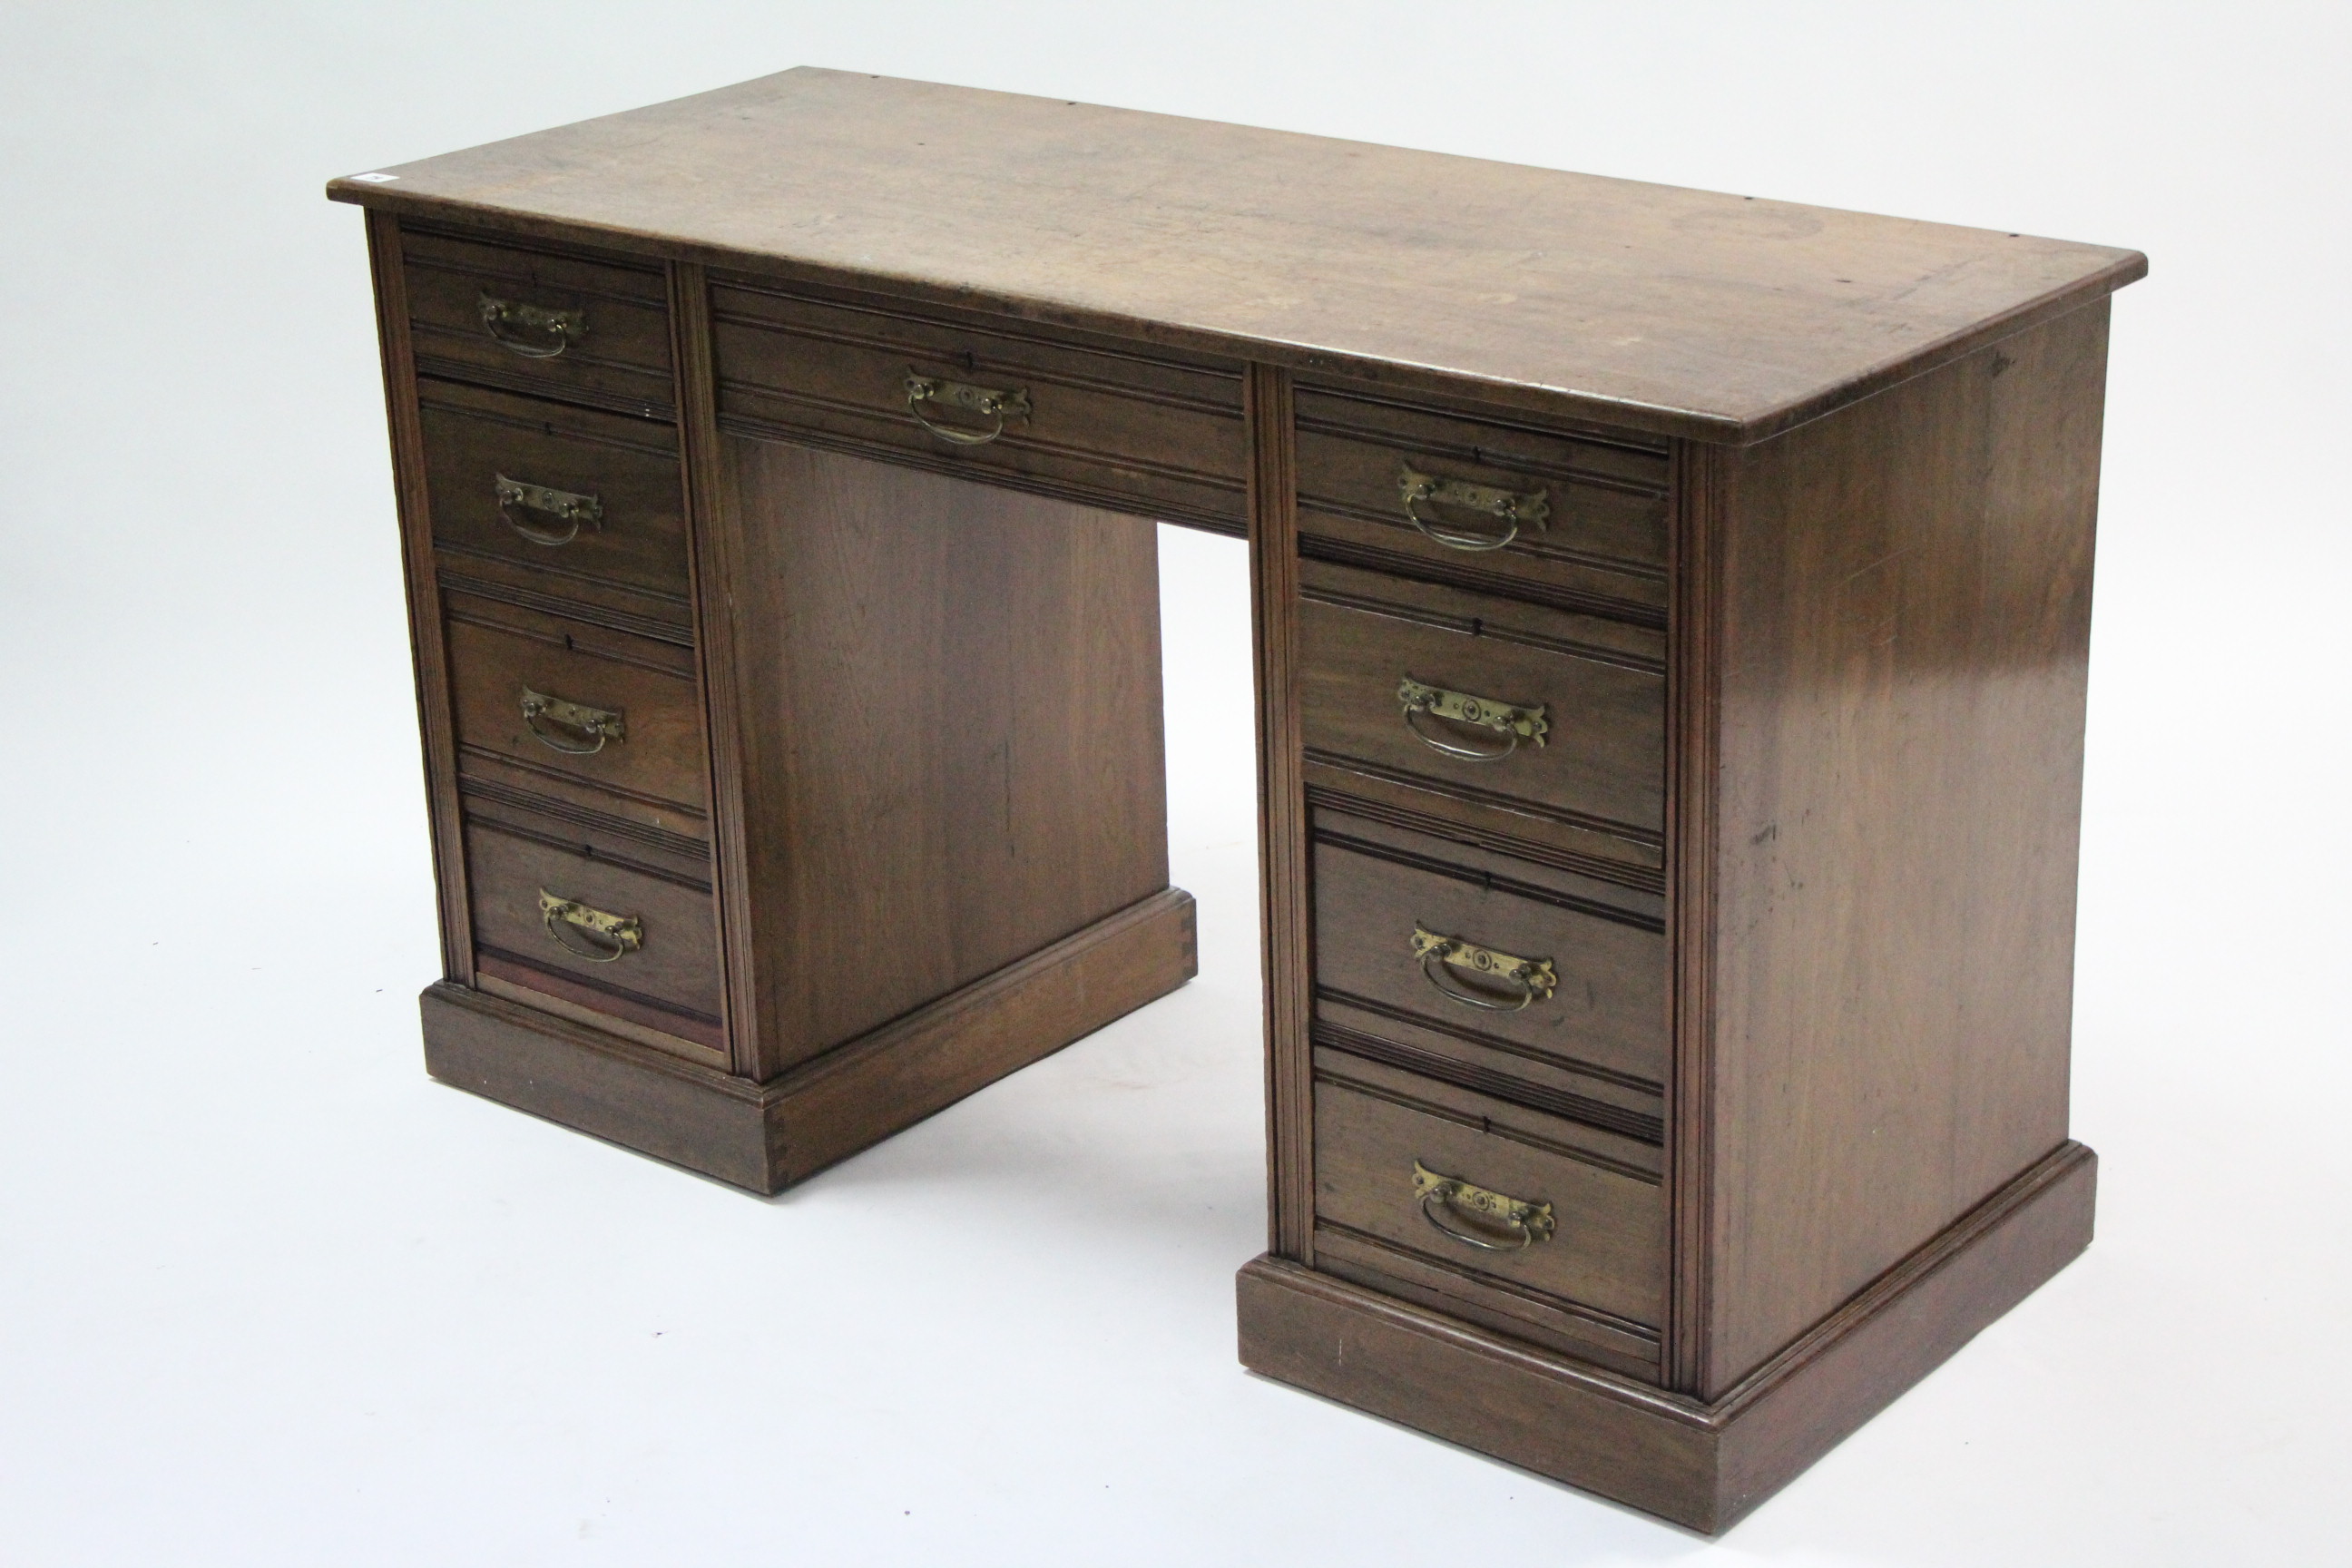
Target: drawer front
1582, 522
562, 491
1123, 430
553, 697
664, 971
532, 320
1489, 1191
1595, 1004
1562, 715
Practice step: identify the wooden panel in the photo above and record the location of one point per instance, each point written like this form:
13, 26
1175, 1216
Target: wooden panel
621, 362
652, 773
1373, 884
951, 719
1106, 424
715, 546
429, 654
855, 1097
1286, 916
1693, 690
1610, 1250
1603, 546
675, 974
1904, 622
1601, 766
1682, 311
1702, 1466
765, 1136
1503, 1068
473, 437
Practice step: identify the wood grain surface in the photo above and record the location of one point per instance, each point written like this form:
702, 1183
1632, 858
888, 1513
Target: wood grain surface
949, 706
1690, 312
1906, 620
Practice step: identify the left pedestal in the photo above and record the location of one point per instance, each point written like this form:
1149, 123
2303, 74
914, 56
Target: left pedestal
780, 797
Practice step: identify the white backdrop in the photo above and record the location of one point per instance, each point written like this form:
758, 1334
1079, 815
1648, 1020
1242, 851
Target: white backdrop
268, 1296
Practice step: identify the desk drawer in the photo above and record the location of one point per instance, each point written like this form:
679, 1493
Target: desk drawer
560, 700
1560, 715
557, 491
1401, 921
1105, 425
1454, 1194
1578, 520
632, 934
535, 321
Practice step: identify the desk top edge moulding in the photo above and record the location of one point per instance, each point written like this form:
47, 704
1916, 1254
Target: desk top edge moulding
1676, 311
1671, 619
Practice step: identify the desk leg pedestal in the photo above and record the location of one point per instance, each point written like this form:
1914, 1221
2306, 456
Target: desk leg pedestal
767, 1136
1700, 1465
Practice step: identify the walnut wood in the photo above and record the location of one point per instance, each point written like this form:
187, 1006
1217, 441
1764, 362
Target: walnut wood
715, 549
1700, 1465
1656, 308
677, 968
1286, 916
1608, 1253
621, 363
1808, 617
1904, 620
767, 1136
427, 652
1374, 883
1149, 435
1603, 546
950, 715
653, 772
473, 435
1602, 685
1693, 690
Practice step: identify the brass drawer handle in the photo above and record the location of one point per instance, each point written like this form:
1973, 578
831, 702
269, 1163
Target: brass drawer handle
1512, 506
609, 937
1532, 979
597, 724
1529, 1222
992, 406
533, 331
1513, 723
519, 500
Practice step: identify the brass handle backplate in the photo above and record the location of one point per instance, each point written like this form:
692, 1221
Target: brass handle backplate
609, 937
1514, 724
533, 331
995, 406
1531, 979
572, 718
520, 503
1518, 509
1526, 1222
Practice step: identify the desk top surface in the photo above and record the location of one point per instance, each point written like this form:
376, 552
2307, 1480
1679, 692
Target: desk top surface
1688, 312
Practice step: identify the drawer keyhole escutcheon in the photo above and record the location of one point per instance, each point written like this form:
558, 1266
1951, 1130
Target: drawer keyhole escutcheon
536, 511
1525, 1222
609, 937
987, 403
1531, 979
599, 725
1513, 722
1514, 508
533, 331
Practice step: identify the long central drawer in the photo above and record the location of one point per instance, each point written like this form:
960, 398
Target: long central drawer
1088, 419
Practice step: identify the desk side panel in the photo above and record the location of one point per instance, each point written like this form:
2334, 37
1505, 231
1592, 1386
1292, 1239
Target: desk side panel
951, 731
1903, 620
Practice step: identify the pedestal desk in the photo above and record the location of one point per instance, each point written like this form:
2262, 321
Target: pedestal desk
1670, 620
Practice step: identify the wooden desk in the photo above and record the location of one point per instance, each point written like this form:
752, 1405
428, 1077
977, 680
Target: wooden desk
1671, 612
